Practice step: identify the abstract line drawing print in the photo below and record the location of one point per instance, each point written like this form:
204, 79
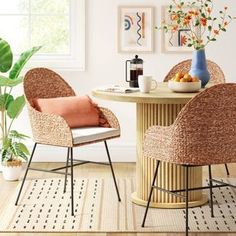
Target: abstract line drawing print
128, 22
134, 26
139, 29
136, 29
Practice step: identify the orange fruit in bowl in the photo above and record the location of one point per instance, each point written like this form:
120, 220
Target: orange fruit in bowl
179, 75
195, 79
177, 79
188, 77
184, 80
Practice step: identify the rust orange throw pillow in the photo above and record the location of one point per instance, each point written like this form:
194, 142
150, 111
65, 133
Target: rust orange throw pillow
78, 111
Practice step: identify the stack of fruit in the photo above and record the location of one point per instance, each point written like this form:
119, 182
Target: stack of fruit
184, 83
181, 77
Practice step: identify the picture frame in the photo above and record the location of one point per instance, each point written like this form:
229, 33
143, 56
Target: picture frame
136, 29
173, 43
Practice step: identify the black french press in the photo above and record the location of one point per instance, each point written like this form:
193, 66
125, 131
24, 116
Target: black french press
136, 69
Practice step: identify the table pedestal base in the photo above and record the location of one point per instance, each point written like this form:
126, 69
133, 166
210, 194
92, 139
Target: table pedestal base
169, 205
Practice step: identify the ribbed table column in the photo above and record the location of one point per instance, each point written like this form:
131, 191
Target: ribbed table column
170, 176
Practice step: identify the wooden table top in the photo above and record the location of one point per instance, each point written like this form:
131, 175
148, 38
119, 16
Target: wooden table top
162, 95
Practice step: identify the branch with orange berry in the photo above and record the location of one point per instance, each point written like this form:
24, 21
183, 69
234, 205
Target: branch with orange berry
196, 16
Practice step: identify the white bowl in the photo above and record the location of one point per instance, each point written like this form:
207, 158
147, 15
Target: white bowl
184, 87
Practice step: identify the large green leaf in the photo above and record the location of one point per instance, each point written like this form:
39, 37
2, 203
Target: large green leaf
6, 82
19, 65
23, 148
6, 56
15, 134
5, 155
5, 100
6, 143
16, 107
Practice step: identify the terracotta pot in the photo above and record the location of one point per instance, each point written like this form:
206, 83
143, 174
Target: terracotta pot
11, 170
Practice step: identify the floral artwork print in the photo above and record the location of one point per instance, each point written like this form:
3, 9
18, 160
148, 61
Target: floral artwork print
199, 21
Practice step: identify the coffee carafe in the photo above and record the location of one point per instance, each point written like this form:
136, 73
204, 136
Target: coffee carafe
135, 69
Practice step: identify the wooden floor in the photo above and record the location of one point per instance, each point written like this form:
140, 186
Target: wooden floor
121, 169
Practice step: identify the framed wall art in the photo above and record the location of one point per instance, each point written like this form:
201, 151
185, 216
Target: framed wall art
135, 29
174, 42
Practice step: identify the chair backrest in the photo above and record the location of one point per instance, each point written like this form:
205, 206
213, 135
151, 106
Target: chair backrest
45, 83
206, 126
216, 74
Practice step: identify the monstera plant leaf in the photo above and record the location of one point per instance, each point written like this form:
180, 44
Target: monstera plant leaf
6, 56
16, 107
20, 63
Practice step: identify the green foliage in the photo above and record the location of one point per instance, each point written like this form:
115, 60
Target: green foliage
6, 82
6, 56
16, 107
5, 100
13, 147
24, 58
10, 107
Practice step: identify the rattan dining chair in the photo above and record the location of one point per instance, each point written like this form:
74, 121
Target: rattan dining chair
203, 134
51, 129
216, 74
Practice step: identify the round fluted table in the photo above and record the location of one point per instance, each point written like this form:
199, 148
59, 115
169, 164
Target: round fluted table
159, 107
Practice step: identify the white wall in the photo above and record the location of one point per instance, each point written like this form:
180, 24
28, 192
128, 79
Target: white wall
105, 66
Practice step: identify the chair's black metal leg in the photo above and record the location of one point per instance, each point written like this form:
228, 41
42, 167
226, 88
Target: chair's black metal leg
227, 169
112, 171
150, 194
72, 182
186, 200
26, 172
67, 162
211, 192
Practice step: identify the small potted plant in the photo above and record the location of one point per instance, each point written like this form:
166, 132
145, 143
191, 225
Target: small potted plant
202, 25
13, 152
11, 147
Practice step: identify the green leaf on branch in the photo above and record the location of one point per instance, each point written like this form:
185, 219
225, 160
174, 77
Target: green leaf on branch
5, 100
6, 56
16, 107
6, 143
4, 155
23, 148
15, 134
6, 82
24, 58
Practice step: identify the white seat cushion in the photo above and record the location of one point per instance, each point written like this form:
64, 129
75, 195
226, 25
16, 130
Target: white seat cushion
90, 134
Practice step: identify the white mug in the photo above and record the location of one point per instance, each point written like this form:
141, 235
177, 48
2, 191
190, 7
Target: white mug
145, 83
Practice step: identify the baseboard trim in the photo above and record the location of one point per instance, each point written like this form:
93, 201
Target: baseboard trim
119, 153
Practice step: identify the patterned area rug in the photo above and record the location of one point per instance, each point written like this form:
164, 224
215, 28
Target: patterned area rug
44, 208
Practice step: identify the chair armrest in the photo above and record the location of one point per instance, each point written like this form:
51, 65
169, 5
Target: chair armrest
49, 128
157, 143
111, 118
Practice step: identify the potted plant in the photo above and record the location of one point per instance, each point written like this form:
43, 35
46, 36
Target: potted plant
202, 27
12, 149
13, 152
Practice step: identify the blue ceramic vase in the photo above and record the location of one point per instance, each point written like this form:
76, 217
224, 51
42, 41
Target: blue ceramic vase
199, 67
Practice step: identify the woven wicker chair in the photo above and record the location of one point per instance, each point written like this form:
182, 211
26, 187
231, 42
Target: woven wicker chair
216, 74
53, 130
202, 134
